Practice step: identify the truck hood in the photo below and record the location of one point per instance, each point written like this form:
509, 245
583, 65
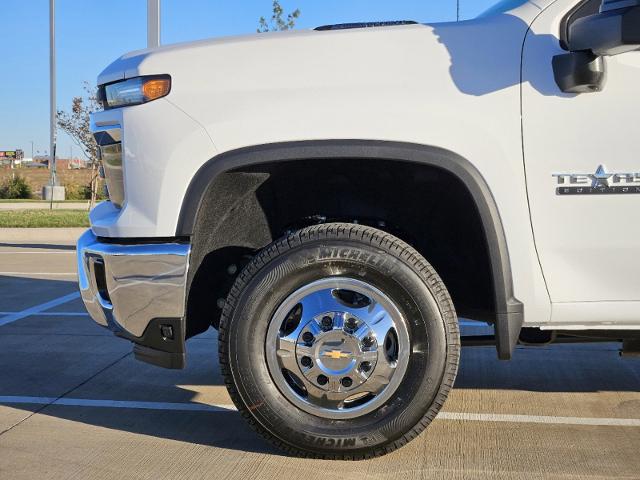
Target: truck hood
157, 60
146, 61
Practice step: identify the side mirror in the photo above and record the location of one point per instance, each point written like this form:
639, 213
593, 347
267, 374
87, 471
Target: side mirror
612, 31
615, 30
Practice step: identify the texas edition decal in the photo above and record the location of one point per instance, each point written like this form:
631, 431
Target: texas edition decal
598, 183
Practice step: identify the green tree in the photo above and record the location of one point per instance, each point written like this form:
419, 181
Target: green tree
277, 22
76, 124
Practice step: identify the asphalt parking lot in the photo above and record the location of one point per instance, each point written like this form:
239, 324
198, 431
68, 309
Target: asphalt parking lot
75, 404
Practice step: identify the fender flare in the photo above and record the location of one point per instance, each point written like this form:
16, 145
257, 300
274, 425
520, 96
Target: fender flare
509, 310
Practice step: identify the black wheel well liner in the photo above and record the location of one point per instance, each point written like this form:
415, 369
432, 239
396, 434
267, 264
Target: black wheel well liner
509, 310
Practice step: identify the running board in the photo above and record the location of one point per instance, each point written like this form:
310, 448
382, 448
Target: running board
633, 348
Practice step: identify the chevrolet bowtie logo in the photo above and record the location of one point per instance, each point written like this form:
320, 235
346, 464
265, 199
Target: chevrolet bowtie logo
336, 354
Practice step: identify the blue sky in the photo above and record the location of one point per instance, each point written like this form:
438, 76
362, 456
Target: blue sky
93, 33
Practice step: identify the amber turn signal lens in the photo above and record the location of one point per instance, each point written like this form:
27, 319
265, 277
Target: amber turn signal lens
155, 88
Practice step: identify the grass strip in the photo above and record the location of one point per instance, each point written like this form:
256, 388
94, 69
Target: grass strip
44, 218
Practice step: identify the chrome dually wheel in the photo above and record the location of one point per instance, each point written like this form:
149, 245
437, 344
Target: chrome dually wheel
337, 347
338, 341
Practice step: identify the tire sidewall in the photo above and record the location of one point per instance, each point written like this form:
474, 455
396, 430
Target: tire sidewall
283, 273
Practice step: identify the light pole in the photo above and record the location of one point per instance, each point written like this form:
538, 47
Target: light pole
32, 150
153, 23
52, 94
52, 191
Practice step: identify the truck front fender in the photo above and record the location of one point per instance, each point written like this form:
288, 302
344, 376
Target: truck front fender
509, 310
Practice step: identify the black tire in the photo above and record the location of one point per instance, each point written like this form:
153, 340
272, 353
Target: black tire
364, 253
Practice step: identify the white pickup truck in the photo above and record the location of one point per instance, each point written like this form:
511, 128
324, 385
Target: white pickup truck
332, 201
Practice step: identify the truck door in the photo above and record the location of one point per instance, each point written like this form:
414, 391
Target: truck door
582, 161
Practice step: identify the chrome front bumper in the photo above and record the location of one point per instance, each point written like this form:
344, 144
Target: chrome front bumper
125, 287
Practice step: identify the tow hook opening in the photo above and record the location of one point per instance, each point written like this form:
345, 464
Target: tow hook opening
100, 278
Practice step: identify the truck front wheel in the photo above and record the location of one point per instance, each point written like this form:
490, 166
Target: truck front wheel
339, 341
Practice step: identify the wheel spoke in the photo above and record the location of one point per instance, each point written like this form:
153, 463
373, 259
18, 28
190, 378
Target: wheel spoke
375, 384
303, 350
384, 368
289, 341
314, 328
374, 311
319, 302
361, 380
362, 332
381, 323
287, 359
323, 398
323, 301
313, 371
286, 343
338, 321
370, 356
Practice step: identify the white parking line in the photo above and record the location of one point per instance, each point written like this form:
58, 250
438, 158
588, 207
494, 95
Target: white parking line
38, 308
495, 417
200, 407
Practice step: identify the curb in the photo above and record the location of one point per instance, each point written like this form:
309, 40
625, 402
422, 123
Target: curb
44, 235
6, 206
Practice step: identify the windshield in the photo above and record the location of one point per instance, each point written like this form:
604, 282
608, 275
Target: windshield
502, 6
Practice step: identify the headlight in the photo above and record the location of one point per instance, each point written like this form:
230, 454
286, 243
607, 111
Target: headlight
134, 91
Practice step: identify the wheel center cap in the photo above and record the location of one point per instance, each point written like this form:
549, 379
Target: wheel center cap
337, 353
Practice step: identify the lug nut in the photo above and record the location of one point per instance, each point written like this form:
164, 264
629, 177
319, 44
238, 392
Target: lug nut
326, 322
352, 323
322, 380
308, 337
346, 382
306, 361
367, 342
365, 366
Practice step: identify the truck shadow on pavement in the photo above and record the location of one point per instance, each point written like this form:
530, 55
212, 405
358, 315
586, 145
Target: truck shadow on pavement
569, 368
539, 371
69, 356
225, 430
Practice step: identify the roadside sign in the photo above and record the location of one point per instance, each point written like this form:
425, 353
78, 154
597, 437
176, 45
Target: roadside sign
11, 154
